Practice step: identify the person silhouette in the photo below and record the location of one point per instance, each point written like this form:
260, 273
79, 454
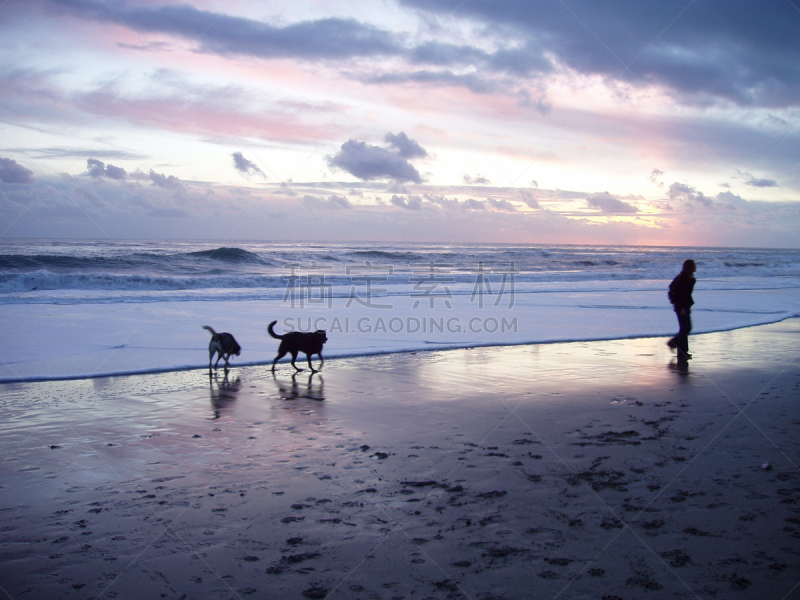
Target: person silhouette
680, 295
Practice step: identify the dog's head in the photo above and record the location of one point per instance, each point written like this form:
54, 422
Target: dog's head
236, 348
321, 335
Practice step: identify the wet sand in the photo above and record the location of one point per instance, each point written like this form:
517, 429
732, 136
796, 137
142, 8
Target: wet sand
582, 470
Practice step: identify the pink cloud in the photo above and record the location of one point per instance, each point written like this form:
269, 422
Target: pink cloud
195, 117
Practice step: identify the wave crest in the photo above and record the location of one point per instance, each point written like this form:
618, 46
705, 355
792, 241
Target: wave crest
226, 254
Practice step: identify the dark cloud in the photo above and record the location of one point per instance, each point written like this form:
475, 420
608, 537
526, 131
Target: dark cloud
221, 33
529, 199
501, 205
13, 172
405, 147
165, 181
95, 168
478, 83
117, 173
65, 152
687, 194
373, 162
732, 201
761, 183
606, 203
753, 181
442, 201
412, 203
477, 180
654, 176
286, 188
314, 40
98, 169
447, 55
394, 187
332, 203
745, 52
149, 47
472, 204
700, 52
245, 166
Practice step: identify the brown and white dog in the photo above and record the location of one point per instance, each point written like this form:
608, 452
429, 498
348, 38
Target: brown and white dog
223, 344
298, 341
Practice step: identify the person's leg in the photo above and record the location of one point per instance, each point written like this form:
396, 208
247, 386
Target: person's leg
682, 339
673, 342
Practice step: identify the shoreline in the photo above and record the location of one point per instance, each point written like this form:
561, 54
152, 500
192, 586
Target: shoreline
432, 347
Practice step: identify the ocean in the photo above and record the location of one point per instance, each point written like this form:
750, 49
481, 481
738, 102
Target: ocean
90, 308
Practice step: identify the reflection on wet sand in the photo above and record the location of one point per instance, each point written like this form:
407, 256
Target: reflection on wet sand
294, 391
223, 392
680, 367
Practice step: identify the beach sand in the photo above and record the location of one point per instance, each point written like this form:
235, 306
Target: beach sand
580, 470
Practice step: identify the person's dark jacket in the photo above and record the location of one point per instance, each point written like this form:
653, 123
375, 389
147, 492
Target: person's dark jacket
680, 291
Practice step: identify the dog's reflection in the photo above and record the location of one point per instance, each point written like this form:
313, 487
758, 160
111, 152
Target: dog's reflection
223, 392
293, 391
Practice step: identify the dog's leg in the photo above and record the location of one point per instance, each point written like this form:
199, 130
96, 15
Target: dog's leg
294, 358
281, 354
310, 366
321, 362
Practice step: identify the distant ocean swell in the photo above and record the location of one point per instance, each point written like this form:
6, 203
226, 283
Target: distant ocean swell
137, 260
48, 281
33, 271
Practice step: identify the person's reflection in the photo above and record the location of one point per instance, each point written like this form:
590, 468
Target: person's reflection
680, 367
223, 393
294, 391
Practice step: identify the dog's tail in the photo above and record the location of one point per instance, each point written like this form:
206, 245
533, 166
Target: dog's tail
209, 329
272, 332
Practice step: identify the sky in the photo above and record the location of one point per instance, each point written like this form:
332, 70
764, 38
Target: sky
450, 121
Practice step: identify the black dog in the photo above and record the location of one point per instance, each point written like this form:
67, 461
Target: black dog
297, 341
223, 344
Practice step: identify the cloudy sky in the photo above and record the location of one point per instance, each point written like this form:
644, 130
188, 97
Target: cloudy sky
569, 121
